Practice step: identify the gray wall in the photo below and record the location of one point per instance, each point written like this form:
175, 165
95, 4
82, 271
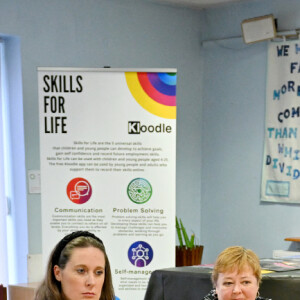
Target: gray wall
221, 89
233, 135
119, 33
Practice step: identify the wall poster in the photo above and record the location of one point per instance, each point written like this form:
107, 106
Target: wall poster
108, 149
281, 164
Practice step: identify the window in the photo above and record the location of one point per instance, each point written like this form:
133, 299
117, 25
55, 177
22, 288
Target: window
3, 201
13, 204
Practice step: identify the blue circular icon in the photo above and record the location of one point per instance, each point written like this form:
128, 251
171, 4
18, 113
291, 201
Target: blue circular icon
140, 254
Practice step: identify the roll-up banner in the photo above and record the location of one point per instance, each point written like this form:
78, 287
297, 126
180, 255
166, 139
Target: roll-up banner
108, 154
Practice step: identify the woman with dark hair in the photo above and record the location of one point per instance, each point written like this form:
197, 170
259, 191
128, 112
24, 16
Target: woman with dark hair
236, 275
78, 268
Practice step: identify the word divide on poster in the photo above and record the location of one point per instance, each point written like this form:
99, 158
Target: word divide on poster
281, 169
108, 155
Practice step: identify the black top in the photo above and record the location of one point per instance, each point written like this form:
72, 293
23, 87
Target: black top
213, 296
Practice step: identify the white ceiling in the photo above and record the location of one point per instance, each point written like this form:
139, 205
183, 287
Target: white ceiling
197, 4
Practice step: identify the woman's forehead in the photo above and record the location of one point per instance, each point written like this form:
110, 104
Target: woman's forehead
245, 268
87, 254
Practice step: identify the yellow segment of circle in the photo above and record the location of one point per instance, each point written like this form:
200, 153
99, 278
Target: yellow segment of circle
160, 110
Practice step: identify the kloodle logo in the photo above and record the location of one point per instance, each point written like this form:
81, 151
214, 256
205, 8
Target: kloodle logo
79, 190
135, 127
140, 254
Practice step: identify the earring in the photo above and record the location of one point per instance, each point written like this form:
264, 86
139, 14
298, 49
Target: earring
215, 295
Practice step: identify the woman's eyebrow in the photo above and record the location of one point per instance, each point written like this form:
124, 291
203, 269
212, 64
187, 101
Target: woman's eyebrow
227, 277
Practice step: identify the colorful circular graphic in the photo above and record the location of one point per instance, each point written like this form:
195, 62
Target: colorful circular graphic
139, 190
79, 190
155, 92
140, 254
